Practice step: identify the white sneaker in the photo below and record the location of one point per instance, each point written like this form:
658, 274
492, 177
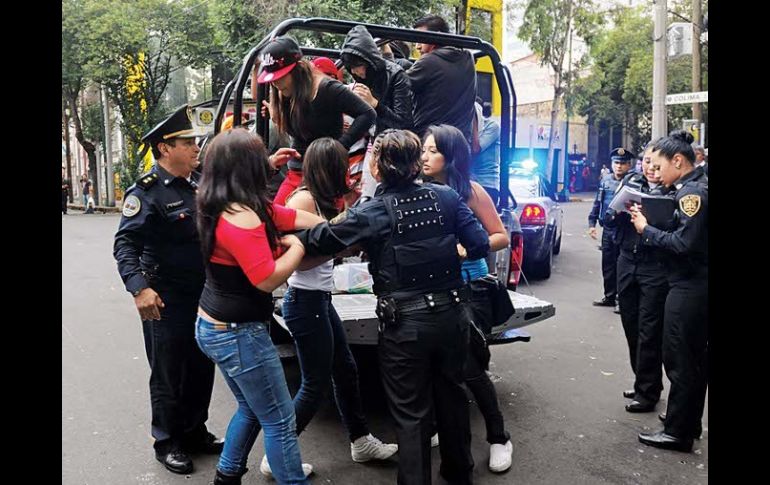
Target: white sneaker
434, 441
368, 448
264, 468
500, 457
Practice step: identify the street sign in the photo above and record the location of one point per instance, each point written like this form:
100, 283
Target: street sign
688, 98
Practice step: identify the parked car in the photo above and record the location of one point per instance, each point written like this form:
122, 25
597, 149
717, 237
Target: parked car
540, 217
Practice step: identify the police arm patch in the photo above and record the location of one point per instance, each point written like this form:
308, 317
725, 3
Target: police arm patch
690, 204
339, 217
131, 206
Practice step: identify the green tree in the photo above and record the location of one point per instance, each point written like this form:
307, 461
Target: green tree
547, 27
619, 88
75, 77
132, 48
241, 24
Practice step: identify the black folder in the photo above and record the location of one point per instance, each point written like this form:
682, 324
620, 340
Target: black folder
659, 211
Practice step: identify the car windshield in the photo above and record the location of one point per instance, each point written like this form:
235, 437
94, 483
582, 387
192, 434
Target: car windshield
523, 186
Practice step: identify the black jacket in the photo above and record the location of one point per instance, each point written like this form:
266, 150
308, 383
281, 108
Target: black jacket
444, 85
687, 244
386, 79
157, 243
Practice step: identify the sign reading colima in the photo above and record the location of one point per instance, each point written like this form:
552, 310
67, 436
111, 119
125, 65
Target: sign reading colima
685, 98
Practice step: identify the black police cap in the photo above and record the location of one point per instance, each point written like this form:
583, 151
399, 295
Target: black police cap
177, 125
621, 155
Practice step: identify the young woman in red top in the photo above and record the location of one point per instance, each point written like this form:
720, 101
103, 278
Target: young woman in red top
246, 259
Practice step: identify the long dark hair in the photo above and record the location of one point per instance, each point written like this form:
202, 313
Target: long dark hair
290, 112
234, 172
397, 155
451, 143
678, 141
325, 169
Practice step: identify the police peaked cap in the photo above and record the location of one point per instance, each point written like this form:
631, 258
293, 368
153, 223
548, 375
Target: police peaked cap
177, 125
621, 155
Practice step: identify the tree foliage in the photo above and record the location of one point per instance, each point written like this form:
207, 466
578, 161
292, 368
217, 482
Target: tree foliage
131, 48
547, 26
618, 90
241, 24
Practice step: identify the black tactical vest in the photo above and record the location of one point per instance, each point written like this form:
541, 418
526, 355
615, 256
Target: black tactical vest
420, 255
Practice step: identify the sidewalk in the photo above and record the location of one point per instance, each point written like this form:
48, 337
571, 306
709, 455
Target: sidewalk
582, 196
99, 208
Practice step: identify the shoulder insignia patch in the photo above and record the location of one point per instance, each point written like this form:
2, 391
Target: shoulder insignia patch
148, 180
339, 217
131, 206
690, 204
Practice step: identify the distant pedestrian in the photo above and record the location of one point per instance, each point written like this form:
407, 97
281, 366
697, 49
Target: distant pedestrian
65, 192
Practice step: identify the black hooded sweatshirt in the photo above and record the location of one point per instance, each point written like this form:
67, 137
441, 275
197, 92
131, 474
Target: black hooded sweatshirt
386, 80
444, 86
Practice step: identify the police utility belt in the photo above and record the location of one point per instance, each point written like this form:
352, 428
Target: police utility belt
389, 308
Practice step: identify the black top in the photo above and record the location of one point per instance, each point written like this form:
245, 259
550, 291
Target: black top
229, 296
157, 243
324, 118
444, 86
687, 244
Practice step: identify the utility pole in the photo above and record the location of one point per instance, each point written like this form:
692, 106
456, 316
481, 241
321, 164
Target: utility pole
659, 121
564, 173
696, 77
108, 147
66, 120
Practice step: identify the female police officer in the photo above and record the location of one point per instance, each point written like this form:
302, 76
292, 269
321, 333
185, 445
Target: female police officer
685, 322
642, 289
410, 233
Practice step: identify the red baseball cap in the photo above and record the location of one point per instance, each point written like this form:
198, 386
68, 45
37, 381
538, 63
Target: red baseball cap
277, 59
327, 66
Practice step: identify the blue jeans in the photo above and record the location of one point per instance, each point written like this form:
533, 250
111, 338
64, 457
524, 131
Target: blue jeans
323, 354
251, 367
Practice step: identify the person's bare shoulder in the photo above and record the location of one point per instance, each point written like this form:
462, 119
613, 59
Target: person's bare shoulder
242, 216
303, 200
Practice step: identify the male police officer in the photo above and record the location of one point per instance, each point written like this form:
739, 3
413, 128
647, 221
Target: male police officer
159, 260
410, 233
621, 163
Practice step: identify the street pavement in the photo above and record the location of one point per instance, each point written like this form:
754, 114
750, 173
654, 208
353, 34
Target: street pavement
560, 394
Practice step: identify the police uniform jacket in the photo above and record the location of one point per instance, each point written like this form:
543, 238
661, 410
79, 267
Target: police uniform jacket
604, 195
690, 236
625, 232
157, 243
410, 233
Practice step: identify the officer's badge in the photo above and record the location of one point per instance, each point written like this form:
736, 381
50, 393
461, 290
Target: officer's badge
339, 218
206, 117
131, 206
621, 152
690, 204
